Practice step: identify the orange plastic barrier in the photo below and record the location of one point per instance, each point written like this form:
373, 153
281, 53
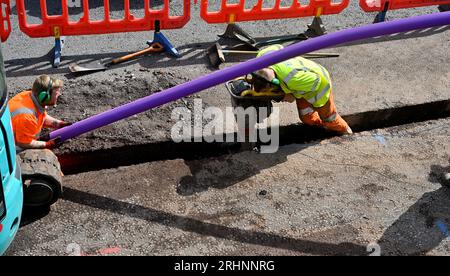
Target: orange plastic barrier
237, 12
60, 25
379, 5
5, 29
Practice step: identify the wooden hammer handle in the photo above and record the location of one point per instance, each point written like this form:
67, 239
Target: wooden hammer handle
155, 48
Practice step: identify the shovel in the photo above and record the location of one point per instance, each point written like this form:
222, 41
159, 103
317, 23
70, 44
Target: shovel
99, 66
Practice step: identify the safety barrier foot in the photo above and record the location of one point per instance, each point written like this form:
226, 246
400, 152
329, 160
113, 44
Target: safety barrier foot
162, 39
59, 45
233, 31
316, 28
381, 16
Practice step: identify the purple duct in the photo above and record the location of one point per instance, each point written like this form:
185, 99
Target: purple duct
222, 76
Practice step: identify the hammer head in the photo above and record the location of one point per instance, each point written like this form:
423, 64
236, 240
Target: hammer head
215, 55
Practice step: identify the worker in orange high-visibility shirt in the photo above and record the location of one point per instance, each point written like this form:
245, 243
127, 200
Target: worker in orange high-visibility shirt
29, 115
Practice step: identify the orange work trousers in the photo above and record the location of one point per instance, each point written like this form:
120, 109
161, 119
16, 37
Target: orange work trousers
325, 116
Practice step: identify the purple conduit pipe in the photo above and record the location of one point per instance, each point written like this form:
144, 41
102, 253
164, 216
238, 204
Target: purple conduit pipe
222, 76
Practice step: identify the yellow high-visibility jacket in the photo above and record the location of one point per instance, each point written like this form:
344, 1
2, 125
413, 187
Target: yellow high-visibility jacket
302, 77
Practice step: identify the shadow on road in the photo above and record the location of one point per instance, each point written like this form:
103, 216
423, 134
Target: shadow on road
424, 225
32, 214
209, 229
227, 170
192, 54
220, 173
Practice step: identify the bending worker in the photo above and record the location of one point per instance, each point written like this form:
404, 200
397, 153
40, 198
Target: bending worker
29, 115
309, 84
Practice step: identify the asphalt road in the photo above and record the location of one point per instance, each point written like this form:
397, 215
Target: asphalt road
380, 189
322, 198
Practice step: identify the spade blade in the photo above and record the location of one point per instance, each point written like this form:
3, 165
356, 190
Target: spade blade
87, 67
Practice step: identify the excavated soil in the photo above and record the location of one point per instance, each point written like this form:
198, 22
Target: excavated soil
85, 98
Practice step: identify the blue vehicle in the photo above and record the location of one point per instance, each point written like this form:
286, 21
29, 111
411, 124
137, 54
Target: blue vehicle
11, 190
31, 179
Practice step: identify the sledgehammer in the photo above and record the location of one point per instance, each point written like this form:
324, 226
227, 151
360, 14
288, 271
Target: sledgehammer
216, 54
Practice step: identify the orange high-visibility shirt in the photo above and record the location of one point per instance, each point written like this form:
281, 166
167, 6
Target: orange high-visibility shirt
27, 117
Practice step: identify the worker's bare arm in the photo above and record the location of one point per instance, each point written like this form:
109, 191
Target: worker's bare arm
35, 144
53, 123
32, 145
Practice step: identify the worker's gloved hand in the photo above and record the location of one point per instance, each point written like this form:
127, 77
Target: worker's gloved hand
44, 137
54, 143
64, 124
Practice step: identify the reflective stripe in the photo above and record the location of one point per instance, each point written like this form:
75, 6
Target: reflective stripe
304, 68
23, 110
325, 75
306, 111
295, 71
315, 84
290, 76
319, 95
331, 118
273, 48
299, 93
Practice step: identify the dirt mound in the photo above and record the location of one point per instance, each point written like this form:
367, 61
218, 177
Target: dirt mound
82, 99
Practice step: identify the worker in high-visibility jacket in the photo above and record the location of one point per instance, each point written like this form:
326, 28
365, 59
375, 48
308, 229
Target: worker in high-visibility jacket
29, 114
309, 84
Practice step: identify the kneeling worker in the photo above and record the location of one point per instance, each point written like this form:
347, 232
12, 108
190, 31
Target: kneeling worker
29, 115
309, 84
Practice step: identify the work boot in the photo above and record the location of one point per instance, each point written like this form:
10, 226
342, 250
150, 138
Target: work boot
312, 119
338, 125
